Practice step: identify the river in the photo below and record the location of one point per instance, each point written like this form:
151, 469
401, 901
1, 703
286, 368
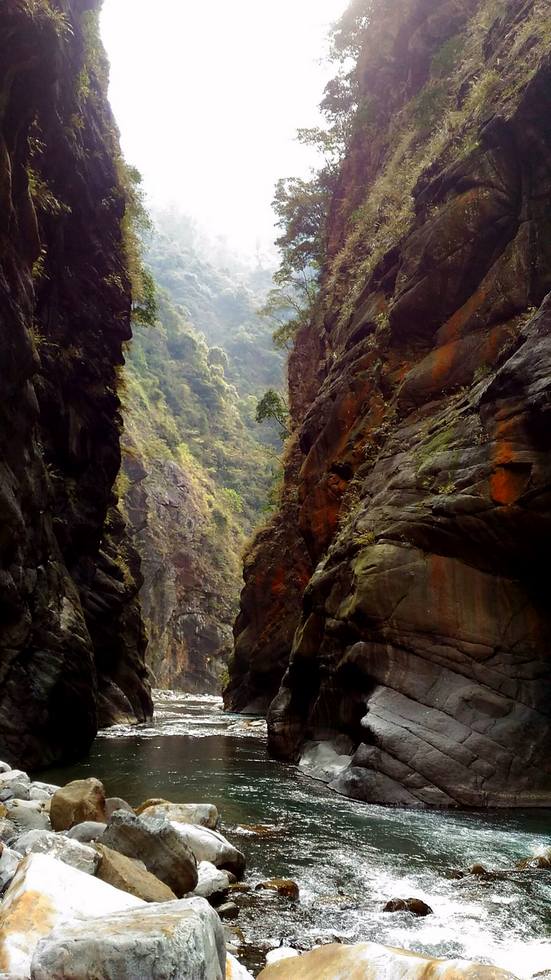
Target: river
349, 859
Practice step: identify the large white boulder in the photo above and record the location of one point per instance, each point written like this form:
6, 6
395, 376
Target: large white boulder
79, 856
181, 939
44, 893
370, 961
209, 845
14, 783
212, 881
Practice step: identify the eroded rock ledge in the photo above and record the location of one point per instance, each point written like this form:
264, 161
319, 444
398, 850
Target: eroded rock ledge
71, 636
422, 488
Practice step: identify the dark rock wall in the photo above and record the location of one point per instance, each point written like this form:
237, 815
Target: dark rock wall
423, 484
71, 637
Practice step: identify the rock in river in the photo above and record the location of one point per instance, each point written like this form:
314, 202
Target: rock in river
77, 855
201, 814
179, 939
131, 876
83, 799
157, 843
370, 961
414, 905
209, 845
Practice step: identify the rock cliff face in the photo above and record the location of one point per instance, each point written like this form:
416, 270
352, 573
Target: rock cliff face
420, 490
71, 636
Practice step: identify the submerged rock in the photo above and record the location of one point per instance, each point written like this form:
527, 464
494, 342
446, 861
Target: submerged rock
159, 844
369, 961
228, 910
414, 905
180, 939
131, 876
283, 886
44, 892
78, 802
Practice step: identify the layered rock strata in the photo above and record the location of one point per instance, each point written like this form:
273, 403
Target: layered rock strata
422, 488
71, 636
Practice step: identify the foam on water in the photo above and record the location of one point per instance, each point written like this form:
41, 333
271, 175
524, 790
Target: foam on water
349, 859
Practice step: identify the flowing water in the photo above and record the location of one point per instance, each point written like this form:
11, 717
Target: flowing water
348, 858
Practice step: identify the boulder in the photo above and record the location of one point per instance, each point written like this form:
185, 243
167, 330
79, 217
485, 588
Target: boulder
154, 801
39, 795
157, 843
16, 782
77, 802
201, 814
209, 845
90, 830
370, 961
234, 969
9, 863
28, 815
8, 830
212, 881
71, 852
131, 876
49, 788
283, 886
181, 939
281, 953
5, 767
44, 892
114, 803
414, 905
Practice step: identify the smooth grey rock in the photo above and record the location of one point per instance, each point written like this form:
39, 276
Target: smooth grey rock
114, 803
212, 881
28, 815
13, 777
157, 843
182, 939
8, 830
87, 832
73, 853
40, 795
5, 767
209, 845
49, 788
228, 910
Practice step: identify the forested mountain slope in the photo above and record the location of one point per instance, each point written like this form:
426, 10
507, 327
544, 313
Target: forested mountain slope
398, 596
196, 473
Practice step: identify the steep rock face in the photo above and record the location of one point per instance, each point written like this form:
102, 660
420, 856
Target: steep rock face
71, 636
424, 484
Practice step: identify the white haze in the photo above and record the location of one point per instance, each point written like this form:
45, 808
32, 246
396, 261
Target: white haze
208, 97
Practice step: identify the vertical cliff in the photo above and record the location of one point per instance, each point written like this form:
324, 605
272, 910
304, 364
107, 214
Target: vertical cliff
71, 637
419, 492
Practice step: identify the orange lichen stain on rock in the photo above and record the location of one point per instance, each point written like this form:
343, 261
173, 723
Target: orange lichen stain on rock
277, 585
442, 360
507, 485
453, 328
30, 914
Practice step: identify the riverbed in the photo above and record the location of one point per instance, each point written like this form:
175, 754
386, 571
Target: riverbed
349, 859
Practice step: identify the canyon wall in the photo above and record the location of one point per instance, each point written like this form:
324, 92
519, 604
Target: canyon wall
399, 598
72, 642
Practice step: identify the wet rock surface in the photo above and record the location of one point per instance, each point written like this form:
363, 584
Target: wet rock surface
418, 488
157, 843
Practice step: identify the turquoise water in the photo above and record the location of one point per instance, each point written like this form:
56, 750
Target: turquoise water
348, 858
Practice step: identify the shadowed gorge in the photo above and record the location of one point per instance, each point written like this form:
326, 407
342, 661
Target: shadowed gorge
403, 608
71, 633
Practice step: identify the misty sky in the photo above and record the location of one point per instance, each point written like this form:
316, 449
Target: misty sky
209, 95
